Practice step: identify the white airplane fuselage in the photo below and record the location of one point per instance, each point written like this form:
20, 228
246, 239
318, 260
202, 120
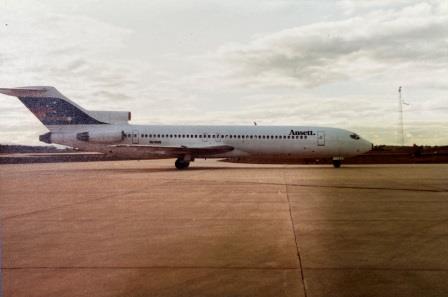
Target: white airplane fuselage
271, 141
109, 132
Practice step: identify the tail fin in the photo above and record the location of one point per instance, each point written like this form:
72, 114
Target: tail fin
54, 109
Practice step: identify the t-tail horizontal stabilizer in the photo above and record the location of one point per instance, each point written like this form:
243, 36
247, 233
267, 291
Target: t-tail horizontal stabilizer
54, 109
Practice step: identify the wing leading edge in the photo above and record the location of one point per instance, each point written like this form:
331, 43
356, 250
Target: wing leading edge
179, 150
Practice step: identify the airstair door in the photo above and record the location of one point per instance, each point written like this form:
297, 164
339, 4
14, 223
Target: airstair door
320, 138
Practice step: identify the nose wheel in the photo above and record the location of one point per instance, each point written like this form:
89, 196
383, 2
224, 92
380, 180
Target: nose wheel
182, 164
337, 161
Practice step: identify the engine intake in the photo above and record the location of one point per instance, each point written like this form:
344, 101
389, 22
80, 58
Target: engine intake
45, 137
83, 136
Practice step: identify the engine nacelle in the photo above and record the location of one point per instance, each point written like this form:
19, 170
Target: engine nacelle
101, 136
111, 117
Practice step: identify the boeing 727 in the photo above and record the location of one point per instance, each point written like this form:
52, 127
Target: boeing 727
109, 132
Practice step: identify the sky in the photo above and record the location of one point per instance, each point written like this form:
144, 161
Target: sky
334, 63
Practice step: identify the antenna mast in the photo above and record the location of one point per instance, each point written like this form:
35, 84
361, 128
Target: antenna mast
401, 124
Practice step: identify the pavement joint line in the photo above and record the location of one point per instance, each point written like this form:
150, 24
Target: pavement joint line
164, 220
65, 205
372, 220
377, 269
147, 267
302, 275
322, 186
388, 201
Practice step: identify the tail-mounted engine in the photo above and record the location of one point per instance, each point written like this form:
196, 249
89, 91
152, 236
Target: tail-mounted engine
101, 136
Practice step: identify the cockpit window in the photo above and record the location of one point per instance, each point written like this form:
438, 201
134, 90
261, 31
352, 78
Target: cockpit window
354, 136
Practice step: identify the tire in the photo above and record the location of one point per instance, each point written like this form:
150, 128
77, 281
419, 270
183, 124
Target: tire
337, 163
181, 164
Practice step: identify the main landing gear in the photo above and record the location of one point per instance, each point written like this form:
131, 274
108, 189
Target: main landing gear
182, 164
337, 161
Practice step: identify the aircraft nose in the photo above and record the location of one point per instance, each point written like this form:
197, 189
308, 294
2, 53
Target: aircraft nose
367, 146
364, 146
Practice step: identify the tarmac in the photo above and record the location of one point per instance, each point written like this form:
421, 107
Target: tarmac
143, 228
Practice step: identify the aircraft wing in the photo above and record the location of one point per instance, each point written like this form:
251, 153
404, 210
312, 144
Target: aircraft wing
179, 150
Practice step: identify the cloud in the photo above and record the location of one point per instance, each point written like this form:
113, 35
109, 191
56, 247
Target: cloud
342, 70
43, 46
414, 38
353, 7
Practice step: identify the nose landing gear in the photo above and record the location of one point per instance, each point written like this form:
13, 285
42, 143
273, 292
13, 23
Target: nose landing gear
337, 161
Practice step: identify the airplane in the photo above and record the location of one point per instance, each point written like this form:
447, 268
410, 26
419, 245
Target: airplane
110, 132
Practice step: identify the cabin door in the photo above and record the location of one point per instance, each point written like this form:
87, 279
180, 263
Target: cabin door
135, 137
321, 138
